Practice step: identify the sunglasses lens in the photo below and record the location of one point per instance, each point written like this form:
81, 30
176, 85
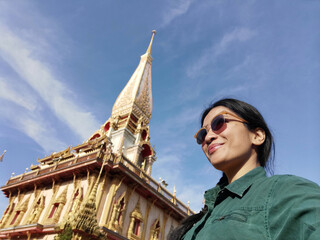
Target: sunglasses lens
201, 136
217, 126
217, 123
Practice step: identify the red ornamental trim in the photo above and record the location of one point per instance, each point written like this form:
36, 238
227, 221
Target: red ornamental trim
95, 136
106, 127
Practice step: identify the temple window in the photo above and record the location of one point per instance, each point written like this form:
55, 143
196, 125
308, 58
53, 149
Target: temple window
34, 215
7, 210
142, 159
144, 135
20, 211
7, 213
53, 210
15, 217
117, 215
135, 226
119, 220
57, 207
155, 231
147, 151
73, 200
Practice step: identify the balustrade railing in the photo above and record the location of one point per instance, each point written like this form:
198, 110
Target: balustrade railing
157, 186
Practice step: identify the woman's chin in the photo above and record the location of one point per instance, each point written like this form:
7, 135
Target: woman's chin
219, 165
217, 160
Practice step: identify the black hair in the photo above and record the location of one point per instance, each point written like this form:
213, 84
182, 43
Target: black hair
186, 225
254, 120
265, 152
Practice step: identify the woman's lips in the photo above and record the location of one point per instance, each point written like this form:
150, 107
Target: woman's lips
213, 147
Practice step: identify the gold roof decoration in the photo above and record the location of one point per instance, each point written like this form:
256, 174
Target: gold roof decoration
136, 213
86, 218
63, 196
136, 97
56, 156
24, 205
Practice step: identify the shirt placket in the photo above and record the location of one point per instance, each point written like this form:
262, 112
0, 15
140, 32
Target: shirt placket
221, 196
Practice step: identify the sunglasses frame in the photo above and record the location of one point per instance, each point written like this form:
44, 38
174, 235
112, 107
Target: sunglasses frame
221, 113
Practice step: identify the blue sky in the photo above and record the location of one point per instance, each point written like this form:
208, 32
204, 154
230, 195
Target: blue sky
63, 65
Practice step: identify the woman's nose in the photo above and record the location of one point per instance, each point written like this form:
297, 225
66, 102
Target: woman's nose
210, 136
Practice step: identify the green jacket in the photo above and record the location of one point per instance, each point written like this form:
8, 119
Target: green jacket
257, 207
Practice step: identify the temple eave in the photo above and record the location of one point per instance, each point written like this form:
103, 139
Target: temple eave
130, 173
30, 228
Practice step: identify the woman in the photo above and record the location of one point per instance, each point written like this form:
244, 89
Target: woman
246, 204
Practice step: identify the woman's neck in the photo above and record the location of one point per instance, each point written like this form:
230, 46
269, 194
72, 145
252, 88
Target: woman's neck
237, 173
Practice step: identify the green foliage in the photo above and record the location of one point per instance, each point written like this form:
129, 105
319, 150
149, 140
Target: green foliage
66, 234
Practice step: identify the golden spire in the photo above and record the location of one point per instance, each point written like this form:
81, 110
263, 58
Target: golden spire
136, 97
150, 45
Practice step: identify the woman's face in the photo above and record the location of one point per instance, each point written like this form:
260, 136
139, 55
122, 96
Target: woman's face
231, 148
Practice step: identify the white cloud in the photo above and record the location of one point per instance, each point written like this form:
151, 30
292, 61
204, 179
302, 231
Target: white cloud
192, 193
33, 124
210, 55
238, 34
18, 53
23, 111
169, 166
27, 49
19, 97
182, 119
176, 9
39, 131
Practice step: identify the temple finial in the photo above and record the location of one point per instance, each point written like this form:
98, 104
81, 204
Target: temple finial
136, 97
150, 45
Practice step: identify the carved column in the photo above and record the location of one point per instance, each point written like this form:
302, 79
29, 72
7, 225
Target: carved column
150, 160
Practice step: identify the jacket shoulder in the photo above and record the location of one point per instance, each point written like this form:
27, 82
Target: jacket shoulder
292, 180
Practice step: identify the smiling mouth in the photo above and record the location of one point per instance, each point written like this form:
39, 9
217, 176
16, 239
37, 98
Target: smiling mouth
214, 147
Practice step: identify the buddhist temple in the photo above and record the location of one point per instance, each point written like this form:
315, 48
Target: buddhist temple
102, 188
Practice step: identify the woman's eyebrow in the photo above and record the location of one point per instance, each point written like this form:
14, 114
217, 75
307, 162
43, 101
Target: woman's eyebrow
221, 113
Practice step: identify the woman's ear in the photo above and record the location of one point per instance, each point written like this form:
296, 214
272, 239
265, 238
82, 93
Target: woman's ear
258, 136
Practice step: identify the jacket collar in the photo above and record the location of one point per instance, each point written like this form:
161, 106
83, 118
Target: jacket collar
237, 187
241, 185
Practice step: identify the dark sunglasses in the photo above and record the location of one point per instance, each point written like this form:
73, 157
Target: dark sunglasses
218, 125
